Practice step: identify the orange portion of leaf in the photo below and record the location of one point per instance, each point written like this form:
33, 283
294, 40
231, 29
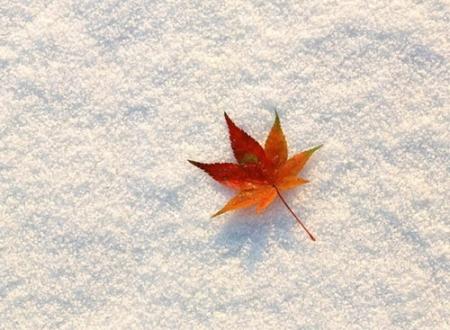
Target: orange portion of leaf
246, 198
296, 163
276, 145
291, 182
265, 201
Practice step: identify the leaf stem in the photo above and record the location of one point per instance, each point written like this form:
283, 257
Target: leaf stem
295, 216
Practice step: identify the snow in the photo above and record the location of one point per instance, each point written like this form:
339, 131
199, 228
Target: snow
104, 224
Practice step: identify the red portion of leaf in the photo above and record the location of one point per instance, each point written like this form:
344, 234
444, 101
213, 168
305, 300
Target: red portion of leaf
232, 175
245, 148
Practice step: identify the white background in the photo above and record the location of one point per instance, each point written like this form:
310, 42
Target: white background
104, 224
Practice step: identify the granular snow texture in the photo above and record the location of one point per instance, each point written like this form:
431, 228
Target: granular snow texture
104, 223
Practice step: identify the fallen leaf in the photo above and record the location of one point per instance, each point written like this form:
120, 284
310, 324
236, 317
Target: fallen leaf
261, 173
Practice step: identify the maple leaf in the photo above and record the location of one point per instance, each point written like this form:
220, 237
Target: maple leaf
261, 173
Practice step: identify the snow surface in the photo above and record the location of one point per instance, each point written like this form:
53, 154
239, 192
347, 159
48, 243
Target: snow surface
104, 224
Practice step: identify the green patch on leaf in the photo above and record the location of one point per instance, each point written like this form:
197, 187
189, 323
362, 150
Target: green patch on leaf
249, 159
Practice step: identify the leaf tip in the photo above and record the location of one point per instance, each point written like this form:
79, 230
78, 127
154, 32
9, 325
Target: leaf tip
277, 119
215, 215
196, 164
312, 150
228, 120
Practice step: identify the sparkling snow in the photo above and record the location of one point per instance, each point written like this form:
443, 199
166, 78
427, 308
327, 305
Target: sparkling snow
104, 223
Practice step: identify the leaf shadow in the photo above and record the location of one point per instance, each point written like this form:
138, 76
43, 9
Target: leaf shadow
248, 236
